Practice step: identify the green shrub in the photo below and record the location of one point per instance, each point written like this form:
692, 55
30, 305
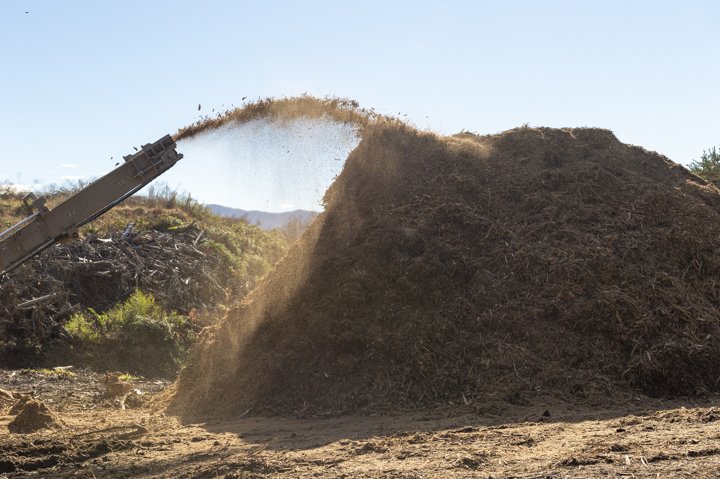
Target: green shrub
708, 166
136, 335
81, 328
167, 222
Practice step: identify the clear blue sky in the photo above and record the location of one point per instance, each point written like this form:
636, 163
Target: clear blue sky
85, 80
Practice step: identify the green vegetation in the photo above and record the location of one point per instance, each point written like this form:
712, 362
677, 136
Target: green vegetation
136, 335
56, 372
139, 308
708, 166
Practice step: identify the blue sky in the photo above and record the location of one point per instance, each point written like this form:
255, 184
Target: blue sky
81, 81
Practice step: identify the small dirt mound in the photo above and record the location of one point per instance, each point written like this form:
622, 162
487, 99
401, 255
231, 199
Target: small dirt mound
33, 416
539, 261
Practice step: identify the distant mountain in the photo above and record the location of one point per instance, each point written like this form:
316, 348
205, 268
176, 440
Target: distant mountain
264, 219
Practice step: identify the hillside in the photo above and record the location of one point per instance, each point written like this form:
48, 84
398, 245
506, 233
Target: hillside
189, 261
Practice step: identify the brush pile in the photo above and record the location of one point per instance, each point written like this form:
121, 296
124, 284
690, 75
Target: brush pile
538, 261
37, 298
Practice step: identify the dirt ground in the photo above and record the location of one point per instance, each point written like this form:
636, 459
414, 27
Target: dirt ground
97, 438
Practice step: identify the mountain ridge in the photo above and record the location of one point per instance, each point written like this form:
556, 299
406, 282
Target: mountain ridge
265, 219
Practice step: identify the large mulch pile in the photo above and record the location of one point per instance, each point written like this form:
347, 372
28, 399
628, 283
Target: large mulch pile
538, 261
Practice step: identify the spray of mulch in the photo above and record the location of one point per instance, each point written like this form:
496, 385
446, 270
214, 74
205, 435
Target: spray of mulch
456, 270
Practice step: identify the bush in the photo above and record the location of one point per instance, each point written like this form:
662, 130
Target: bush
79, 327
708, 166
136, 335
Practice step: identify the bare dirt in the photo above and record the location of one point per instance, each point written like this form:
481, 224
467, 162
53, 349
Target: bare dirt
640, 439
